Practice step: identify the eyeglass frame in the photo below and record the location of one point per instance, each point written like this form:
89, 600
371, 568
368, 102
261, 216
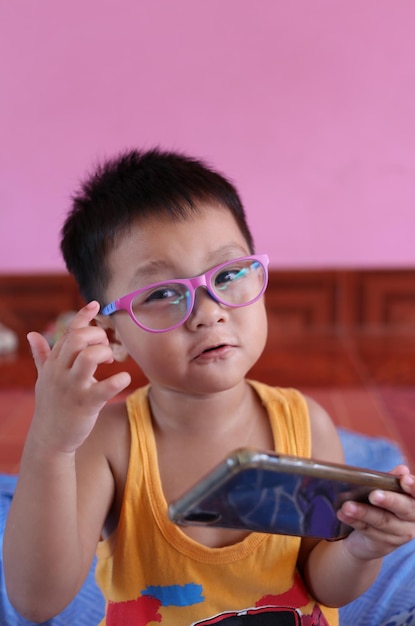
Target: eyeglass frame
202, 280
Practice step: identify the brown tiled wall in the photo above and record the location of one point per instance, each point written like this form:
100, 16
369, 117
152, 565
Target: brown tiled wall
329, 300
347, 338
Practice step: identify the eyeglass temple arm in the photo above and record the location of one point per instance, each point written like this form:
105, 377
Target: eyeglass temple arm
109, 309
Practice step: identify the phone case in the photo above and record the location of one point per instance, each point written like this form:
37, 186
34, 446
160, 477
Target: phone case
272, 493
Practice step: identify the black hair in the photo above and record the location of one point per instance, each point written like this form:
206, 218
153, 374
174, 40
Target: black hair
132, 186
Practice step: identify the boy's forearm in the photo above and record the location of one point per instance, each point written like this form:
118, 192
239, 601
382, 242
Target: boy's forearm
335, 577
42, 550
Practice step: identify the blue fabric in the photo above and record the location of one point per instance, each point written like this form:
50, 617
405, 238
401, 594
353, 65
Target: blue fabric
402, 618
373, 453
389, 602
86, 609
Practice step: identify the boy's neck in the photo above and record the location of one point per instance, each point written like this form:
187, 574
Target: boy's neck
192, 415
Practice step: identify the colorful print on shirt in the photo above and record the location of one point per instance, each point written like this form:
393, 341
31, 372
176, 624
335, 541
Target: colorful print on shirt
270, 610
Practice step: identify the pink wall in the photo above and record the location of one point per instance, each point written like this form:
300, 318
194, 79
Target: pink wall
308, 106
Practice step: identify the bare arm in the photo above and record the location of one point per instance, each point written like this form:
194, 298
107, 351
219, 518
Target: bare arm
338, 572
60, 505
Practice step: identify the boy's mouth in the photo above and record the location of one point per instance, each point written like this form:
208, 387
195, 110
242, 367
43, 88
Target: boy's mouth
212, 348
215, 350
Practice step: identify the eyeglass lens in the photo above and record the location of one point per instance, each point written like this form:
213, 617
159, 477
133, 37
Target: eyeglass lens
237, 283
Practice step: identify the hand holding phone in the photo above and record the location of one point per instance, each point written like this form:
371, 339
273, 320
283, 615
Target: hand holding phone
268, 492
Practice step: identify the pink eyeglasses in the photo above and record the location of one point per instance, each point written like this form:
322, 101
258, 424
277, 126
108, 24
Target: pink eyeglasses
163, 306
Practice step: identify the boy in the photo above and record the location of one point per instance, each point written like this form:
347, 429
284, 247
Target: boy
97, 473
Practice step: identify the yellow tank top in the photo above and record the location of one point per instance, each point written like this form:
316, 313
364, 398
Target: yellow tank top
150, 572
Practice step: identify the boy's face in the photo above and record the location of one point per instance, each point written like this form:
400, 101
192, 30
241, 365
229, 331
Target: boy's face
214, 349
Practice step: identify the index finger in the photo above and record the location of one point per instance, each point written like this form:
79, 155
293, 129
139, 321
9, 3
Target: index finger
84, 316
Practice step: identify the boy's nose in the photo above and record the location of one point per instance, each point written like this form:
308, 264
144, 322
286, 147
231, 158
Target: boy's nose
206, 310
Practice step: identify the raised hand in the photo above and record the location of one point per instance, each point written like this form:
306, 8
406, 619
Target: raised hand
68, 396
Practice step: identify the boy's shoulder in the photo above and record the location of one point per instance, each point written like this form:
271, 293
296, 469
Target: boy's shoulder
112, 427
325, 441
109, 439
102, 465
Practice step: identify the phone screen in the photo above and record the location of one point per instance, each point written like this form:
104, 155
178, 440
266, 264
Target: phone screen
281, 495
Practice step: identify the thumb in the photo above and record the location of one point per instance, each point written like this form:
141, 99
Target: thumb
39, 347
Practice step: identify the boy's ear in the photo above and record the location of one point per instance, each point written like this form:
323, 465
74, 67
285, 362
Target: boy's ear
118, 349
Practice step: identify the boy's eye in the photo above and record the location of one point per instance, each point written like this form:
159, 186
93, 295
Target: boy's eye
227, 276
160, 294
169, 293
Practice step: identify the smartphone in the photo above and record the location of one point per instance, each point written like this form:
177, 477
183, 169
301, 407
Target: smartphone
274, 493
